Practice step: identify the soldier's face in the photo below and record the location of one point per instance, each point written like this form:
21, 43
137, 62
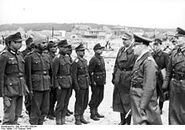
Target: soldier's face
16, 45
99, 51
156, 47
126, 43
81, 53
181, 41
53, 49
43, 45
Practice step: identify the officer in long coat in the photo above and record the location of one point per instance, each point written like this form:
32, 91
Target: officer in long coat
81, 81
144, 106
161, 58
12, 82
52, 49
98, 78
175, 78
121, 79
62, 81
37, 68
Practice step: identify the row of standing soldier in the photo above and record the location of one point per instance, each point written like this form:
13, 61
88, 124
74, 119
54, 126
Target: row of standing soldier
45, 79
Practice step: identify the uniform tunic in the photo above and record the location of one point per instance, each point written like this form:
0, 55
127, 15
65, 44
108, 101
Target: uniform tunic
12, 85
81, 82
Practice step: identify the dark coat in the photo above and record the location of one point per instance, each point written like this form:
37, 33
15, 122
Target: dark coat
143, 91
12, 80
80, 74
175, 79
122, 79
161, 58
97, 70
38, 67
62, 72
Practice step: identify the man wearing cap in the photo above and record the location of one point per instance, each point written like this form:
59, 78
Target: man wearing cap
81, 84
175, 79
144, 106
29, 46
62, 81
161, 58
12, 82
121, 79
97, 75
38, 67
69, 52
52, 49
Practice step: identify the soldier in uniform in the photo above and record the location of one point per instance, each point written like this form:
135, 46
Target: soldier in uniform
62, 81
161, 58
175, 78
81, 84
52, 49
97, 75
38, 67
29, 46
144, 106
69, 52
12, 82
121, 79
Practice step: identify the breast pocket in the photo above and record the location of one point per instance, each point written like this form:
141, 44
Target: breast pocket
36, 64
12, 66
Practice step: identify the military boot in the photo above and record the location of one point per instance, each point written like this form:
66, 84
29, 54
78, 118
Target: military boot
93, 115
58, 120
83, 120
98, 115
63, 120
77, 120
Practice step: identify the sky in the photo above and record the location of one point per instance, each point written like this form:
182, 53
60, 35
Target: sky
137, 13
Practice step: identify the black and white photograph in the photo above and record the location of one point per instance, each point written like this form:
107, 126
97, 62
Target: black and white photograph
91, 63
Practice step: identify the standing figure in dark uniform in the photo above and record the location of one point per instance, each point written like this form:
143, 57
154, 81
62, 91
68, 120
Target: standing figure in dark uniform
38, 67
29, 46
52, 49
69, 52
121, 79
97, 75
81, 81
144, 106
12, 81
62, 81
175, 78
161, 58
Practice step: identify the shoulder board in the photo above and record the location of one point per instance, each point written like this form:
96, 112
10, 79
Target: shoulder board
76, 60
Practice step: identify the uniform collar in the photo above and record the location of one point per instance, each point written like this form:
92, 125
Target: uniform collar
159, 53
80, 58
12, 52
98, 56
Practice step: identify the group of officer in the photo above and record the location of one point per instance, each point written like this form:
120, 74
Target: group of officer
46, 78
144, 75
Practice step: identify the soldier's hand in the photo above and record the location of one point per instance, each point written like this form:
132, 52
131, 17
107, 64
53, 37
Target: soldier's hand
59, 87
142, 111
7, 101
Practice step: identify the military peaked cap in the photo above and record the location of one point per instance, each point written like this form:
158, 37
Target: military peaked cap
141, 40
80, 47
180, 32
98, 46
14, 37
52, 44
63, 43
127, 36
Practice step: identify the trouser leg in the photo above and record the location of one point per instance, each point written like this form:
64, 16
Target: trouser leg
18, 108
35, 112
9, 110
